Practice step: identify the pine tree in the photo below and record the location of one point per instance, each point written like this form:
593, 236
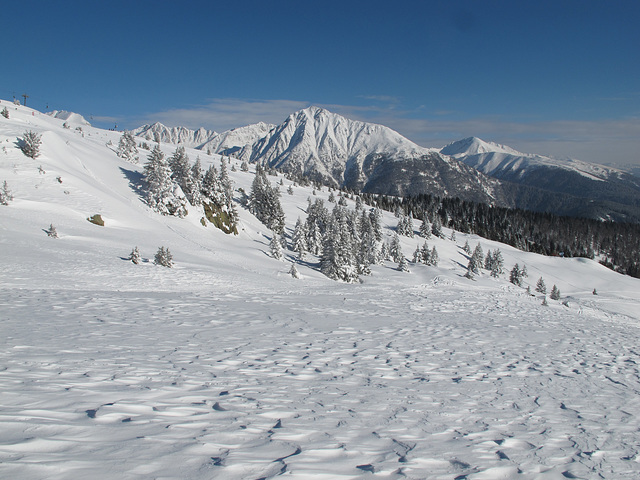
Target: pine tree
540, 286
375, 217
163, 257
476, 260
555, 293
403, 265
293, 271
211, 189
196, 178
395, 250
425, 253
161, 193
338, 260
264, 202
5, 194
244, 166
417, 255
134, 256
515, 276
30, 144
425, 227
5, 112
434, 259
299, 238
544, 301
127, 148
275, 247
497, 264
181, 171
467, 248
436, 227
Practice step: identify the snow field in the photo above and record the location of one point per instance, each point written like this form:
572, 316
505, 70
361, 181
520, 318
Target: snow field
225, 367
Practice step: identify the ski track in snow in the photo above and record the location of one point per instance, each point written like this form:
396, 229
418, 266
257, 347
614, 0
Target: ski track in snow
435, 383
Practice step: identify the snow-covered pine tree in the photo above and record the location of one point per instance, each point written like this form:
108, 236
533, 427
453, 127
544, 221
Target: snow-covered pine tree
264, 202
127, 149
211, 186
196, 178
375, 217
425, 227
540, 286
134, 256
181, 171
476, 260
497, 264
555, 293
163, 195
299, 238
417, 255
467, 248
5, 194
515, 276
403, 265
436, 227
479, 256
30, 144
435, 258
316, 223
275, 246
163, 257
244, 166
293, 271
5, 112
425, 253
395, 250
338, 260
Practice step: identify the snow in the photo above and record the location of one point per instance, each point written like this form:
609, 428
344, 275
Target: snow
226, 367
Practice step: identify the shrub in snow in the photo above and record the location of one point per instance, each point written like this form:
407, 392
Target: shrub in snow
293, 271
541, 287
163, 257
5, 194
52, 232
134, 256
555, 293
5, 112
594, 290
96, 219
30, 144
544, 301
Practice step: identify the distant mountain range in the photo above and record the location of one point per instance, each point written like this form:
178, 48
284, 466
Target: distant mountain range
334, 150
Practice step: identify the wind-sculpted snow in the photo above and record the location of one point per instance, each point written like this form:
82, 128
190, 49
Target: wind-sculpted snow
343, 381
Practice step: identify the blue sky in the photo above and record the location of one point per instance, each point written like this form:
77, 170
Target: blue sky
553, 77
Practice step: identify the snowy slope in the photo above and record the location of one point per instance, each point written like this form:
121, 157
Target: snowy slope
226, 367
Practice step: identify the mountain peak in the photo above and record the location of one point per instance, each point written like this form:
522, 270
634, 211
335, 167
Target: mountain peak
474, 146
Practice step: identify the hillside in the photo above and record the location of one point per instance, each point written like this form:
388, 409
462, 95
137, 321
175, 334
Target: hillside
227, 367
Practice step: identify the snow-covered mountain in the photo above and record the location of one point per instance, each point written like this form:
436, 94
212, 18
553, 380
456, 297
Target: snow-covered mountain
175, 135
230, 142
70, 117
599, 191
501, 161
363, 156
227, 367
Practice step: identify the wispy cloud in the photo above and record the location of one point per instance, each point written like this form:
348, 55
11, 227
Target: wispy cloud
225, 113
599, 141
